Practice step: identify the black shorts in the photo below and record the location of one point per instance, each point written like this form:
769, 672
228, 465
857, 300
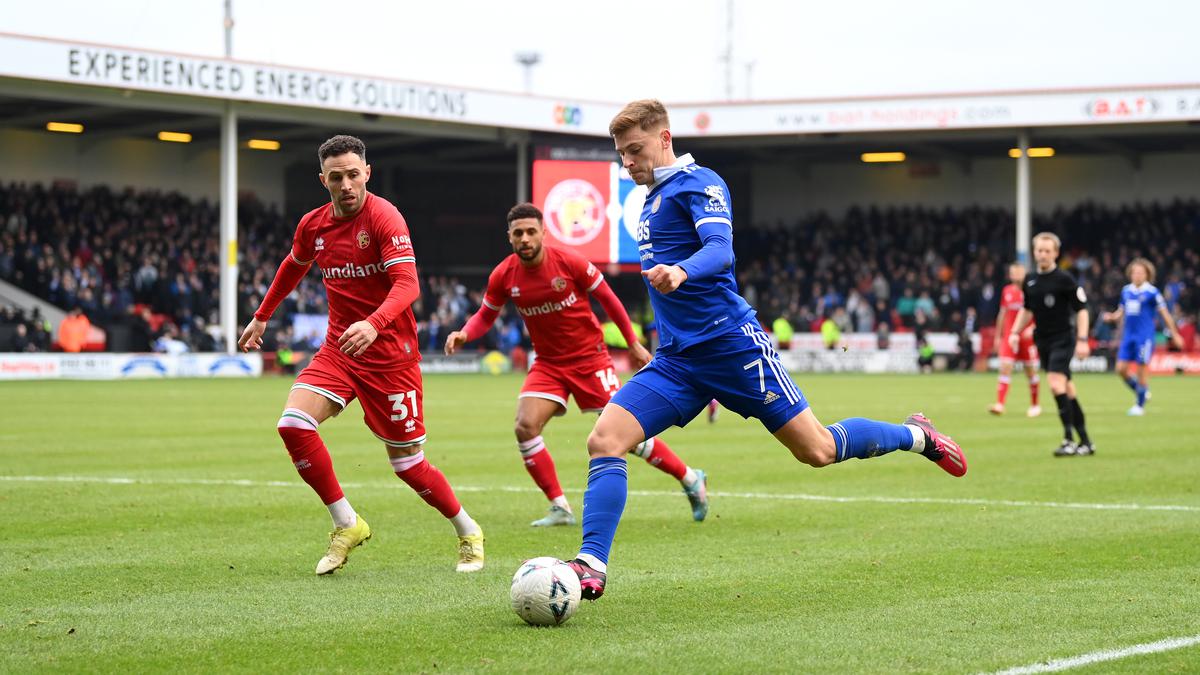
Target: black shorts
1056, 352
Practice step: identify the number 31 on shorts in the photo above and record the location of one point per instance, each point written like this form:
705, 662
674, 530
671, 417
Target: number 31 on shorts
608, 380
401, 409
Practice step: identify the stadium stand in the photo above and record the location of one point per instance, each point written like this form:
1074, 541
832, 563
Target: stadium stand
144, 266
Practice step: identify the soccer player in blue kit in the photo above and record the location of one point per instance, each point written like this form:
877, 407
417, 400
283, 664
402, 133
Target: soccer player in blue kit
1139, 302
710, 344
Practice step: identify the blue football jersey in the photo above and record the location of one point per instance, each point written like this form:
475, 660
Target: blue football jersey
685, 197
1140, 305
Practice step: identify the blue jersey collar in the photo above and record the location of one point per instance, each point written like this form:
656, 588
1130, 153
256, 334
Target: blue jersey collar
662, 173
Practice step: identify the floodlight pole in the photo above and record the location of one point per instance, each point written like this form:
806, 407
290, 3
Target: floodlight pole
229, 181
523, 171
1024, 211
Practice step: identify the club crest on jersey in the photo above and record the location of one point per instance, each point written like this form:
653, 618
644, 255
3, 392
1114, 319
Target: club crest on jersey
558, 284
515, 292
716, 198
657, 203
364, 239
320, 243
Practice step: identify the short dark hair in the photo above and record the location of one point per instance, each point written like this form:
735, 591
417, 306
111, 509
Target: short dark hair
524, 210
340, 145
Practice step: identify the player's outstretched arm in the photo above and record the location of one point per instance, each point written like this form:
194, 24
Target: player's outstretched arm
287, 277
638, 355
1169, 322
476, 327
1113, 316
716, 254
455, 340
252, 337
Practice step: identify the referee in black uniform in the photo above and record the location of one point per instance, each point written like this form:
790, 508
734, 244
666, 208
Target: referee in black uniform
1052, 297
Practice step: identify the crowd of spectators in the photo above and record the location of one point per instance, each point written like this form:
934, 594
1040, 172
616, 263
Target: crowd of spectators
148, 262
24, 332
943, 269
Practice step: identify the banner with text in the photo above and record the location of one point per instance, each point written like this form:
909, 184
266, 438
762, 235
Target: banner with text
102, 366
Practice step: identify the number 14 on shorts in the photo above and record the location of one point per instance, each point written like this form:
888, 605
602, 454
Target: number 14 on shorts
608, 380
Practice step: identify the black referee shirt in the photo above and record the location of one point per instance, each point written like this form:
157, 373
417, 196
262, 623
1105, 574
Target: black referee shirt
1054, 298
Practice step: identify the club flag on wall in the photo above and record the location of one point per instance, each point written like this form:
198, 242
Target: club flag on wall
591, 207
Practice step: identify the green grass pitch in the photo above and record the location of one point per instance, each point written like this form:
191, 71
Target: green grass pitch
203, 561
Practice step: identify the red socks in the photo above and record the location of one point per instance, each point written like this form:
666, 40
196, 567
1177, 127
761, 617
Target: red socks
309, 454
428, 482
540, 466
660, 456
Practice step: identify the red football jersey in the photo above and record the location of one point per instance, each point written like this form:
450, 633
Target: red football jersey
354, 255
553, 300
1012, 299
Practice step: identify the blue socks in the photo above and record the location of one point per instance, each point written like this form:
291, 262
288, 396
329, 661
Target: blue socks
1138, 389
861, 438
603, 502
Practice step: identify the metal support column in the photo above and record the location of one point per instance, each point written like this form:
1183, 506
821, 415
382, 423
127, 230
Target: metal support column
522, 171
229, 225
229, 241
1024, 210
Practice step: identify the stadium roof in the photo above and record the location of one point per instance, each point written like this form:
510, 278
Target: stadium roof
272, 90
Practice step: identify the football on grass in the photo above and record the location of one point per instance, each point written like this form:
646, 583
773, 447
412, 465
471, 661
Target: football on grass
545, 591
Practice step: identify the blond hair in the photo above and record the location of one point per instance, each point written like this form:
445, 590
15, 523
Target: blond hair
1048, 236
647, 114
1149, 267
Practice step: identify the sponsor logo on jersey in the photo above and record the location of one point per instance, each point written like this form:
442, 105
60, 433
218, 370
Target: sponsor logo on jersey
515, 292
1080, 294
548, 307
364, 239
350, 271
401, 241
320, 243
716, 199
1049, 300
558, 284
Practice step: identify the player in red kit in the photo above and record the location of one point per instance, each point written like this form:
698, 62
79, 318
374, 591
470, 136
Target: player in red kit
361, 244
1012, 299
550, 288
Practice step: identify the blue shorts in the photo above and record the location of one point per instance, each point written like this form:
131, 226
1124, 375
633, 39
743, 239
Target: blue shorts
1137, 350
740, 369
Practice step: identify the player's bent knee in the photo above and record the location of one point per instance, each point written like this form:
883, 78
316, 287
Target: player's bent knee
526, 429
601, 444
295, 422
815, 456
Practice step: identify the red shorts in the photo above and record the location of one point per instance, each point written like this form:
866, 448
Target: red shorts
392, 402
1026, 351
591, 382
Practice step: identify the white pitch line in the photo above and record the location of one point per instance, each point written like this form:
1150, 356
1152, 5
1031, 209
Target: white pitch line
1102, 656
782, 496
